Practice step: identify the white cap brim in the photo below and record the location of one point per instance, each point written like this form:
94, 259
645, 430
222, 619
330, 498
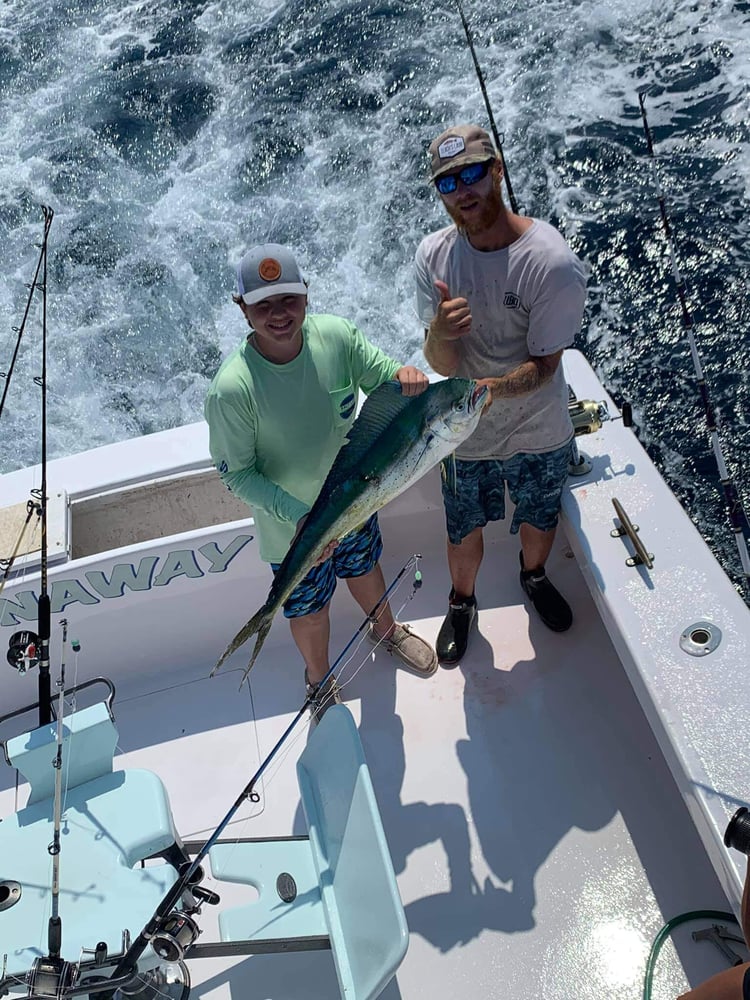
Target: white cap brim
290, 288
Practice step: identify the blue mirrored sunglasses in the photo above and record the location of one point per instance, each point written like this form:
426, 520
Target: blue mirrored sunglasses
448, 183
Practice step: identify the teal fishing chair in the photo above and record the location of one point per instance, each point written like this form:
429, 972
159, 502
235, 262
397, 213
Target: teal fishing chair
337, 885
112, 820
335, 888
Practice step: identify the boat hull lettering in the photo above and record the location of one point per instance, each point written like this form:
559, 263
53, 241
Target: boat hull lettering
98, 585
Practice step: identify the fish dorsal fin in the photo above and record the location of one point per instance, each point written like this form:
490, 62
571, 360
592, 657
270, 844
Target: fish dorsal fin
381, 408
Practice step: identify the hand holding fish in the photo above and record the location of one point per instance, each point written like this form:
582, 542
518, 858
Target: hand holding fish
453, 317
326, 553
490, 384
395, 440
412, 380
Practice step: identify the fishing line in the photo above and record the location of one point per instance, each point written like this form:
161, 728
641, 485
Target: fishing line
127, 965
151, 990
341, 684
493, 126
371, 618
291, 744
345, 683
737, 516
396, 616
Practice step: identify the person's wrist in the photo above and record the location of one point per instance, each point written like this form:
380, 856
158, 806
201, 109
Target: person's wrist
436, 333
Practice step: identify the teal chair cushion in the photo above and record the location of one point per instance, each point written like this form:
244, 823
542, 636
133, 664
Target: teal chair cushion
108, 826
89, 741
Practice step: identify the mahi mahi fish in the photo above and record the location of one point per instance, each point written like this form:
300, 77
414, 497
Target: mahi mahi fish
393, 442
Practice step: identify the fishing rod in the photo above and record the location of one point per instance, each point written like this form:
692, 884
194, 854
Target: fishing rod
45, 692
737, 515
26, 648
186, 881
19, 330
493, 126
54, 934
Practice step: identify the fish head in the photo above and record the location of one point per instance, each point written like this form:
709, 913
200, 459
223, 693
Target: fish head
457, 405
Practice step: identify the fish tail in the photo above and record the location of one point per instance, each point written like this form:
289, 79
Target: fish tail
263, 631
260, 623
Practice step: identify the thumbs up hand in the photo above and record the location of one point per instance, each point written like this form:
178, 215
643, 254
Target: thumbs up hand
453, 317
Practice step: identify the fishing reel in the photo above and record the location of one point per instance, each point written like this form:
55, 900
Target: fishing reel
737, 833
165, 982
587, 415
23, 651
50, 978
175, 937
170, 982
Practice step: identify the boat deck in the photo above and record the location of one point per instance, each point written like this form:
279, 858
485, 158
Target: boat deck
538, 838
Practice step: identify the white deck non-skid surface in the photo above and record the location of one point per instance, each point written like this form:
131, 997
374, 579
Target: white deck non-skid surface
537, 837
535, 830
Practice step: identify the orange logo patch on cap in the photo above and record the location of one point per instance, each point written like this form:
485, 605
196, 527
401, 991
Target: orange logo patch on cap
269, 269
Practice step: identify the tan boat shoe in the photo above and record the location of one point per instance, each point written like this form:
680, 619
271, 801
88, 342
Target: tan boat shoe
414, 652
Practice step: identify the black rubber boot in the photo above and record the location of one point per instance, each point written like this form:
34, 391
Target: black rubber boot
453, 637
548, 602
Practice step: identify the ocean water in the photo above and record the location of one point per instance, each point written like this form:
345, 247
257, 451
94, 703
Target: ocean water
169, 136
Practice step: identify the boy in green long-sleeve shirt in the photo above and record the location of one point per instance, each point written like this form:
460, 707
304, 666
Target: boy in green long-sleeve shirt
278, 411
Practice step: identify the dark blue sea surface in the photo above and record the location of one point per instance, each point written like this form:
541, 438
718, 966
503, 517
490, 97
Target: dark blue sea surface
169, 136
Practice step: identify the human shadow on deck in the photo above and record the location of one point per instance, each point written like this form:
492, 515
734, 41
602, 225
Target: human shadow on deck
415, 824
538, 754
529, 759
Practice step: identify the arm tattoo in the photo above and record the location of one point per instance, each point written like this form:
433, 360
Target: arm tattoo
528, 376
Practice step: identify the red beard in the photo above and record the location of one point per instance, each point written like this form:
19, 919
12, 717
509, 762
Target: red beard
480, 219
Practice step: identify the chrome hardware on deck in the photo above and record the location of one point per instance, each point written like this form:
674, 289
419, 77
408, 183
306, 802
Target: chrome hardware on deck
700, 638
10, 893
718, 935
642, 557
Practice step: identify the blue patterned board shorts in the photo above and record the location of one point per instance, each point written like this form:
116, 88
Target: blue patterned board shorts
355, 555
476, 494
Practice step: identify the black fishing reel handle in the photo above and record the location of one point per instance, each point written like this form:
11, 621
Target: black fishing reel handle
737, 833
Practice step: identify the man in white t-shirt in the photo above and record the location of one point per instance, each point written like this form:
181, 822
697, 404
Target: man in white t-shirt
501, 297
